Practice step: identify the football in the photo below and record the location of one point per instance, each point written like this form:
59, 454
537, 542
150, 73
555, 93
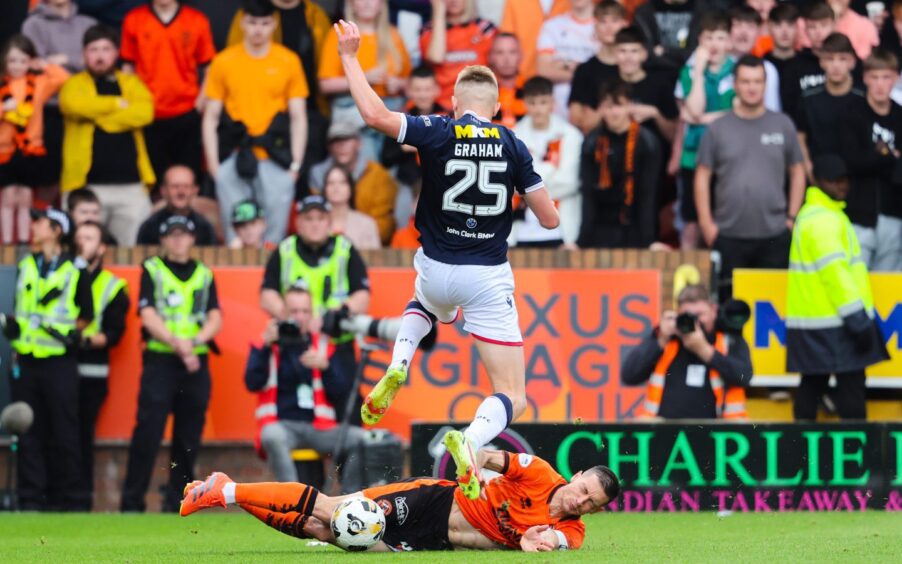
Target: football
357, 523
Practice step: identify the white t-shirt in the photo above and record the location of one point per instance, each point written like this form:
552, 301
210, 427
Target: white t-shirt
567, 39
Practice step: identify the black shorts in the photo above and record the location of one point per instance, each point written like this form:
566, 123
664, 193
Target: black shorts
416, 513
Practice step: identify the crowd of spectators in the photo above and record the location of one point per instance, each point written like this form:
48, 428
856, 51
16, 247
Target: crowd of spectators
229, 111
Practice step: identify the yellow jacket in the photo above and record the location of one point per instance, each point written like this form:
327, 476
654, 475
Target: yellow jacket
83, 110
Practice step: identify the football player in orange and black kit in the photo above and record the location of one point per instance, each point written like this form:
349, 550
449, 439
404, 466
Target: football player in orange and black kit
528, 507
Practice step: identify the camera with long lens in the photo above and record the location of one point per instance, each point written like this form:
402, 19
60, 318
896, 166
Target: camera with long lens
290, 334
381, 328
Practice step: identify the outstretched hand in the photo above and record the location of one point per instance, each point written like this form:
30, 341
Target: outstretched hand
348, 38
533, 540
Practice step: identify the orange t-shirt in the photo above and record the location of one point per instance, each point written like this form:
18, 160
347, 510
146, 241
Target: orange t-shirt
466, 44
330, 62
253, 90
518, 500
512, 105
167, 56
407, 237
524, 18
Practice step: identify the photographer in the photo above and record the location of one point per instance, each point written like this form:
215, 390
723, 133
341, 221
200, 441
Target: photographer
302, 396
696, 363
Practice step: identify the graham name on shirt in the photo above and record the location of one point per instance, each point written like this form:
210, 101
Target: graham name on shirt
478, 150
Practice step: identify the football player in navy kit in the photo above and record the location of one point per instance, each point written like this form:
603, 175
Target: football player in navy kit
470, 170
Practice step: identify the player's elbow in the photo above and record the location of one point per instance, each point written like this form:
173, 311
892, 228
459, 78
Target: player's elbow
551, 219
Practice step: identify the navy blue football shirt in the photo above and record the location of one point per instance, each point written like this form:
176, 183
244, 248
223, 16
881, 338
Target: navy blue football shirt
470, 170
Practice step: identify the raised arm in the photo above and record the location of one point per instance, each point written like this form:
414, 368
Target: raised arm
370, 105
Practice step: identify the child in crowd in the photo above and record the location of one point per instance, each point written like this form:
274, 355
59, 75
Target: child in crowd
620, 169
783, 26
554, 145
610, 17
704, 92
26, 84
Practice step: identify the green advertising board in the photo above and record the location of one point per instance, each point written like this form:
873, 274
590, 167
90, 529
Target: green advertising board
695, 466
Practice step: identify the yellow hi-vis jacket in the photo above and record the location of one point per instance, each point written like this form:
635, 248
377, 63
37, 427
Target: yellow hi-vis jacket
830, 324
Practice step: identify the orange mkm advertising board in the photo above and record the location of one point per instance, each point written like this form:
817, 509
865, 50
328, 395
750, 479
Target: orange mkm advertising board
576, 326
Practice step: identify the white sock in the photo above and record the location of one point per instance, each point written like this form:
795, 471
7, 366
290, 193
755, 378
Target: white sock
490, 420
228, 492
414, 326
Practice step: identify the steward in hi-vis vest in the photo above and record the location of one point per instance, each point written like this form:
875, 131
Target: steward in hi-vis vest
325, 265
694, 369
111, 303
53, 306
830, 324
180, 316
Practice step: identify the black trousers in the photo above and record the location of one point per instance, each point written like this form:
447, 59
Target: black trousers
166, 387
772, 252
49, 466
850, 395
91, 393
175, 140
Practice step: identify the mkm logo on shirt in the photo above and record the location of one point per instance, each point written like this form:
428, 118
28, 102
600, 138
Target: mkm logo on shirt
473, 132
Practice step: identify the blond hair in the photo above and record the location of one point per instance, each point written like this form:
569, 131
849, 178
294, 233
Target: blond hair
385, 46
476, 84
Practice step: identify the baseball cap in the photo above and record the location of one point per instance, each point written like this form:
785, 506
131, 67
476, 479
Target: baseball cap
177, 222
245, 212
314, 202
830, 167
342, 129
57, 216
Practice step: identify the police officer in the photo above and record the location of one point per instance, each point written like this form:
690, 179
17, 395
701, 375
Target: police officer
180, 316
830, 325
53, 303
111, 305
331, 269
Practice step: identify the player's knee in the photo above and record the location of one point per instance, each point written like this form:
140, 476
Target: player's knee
273, 437
518, 405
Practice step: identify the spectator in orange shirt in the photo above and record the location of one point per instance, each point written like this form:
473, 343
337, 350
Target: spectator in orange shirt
302, 26
524, 18
23, 92
504, 60
382, 55
262, 89
454, 39
167, 45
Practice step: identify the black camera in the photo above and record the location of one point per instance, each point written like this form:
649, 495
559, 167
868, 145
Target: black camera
685, 323
290, 334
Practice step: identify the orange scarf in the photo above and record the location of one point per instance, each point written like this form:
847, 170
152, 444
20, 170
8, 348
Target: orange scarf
21, 116
602, 151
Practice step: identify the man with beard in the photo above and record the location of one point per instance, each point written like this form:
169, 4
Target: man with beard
104, 112
111, 305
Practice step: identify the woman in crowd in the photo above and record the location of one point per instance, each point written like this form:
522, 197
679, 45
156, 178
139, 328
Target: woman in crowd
26, 84
455, 38
357, 227
383, 57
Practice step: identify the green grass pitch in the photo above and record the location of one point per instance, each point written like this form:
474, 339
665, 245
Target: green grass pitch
872, 537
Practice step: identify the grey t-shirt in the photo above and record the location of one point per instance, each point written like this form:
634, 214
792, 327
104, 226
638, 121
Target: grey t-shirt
749, 159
